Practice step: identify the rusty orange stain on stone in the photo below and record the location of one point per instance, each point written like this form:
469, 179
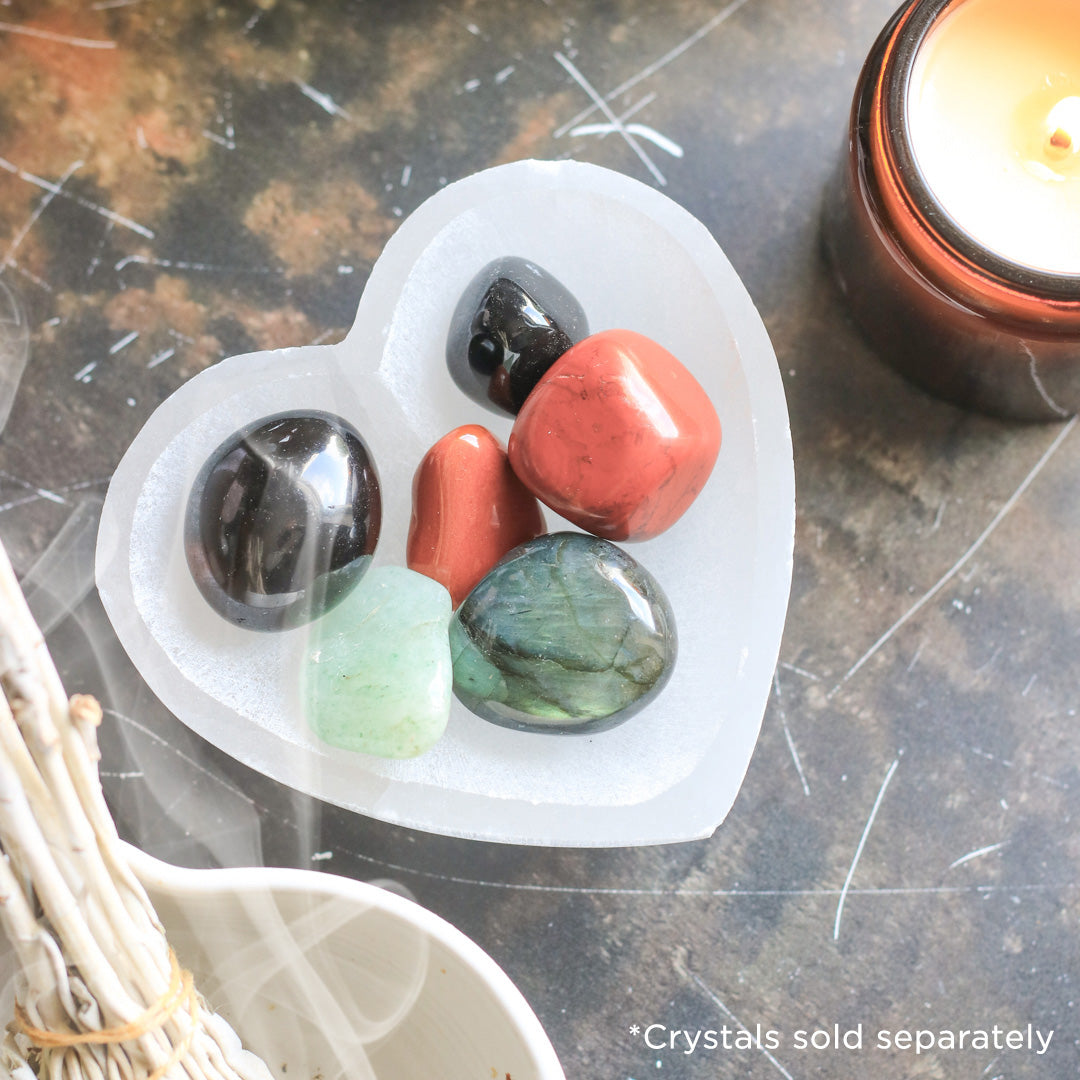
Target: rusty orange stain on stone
281, 328
167, 138
535, 123
82, 78
166, 307
335, 220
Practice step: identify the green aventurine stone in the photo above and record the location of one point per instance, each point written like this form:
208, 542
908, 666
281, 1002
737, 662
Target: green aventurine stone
377, 677
567, 634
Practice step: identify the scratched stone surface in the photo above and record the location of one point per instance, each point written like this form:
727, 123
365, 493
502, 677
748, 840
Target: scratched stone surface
180, 181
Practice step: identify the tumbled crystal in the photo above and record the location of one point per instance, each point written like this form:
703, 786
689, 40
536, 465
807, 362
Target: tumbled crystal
377, 676
618, 437
567, 634
282, 520
469, 510
513, 321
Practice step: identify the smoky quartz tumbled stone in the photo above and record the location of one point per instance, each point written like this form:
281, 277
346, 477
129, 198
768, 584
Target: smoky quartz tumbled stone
282, 520
513, 321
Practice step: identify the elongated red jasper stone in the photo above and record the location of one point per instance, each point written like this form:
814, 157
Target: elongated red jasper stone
617, 436
469, 510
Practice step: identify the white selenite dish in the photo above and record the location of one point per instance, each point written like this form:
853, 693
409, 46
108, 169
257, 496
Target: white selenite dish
635, 260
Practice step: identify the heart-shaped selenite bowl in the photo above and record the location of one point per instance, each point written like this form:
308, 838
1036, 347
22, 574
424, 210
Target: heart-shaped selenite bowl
635, 260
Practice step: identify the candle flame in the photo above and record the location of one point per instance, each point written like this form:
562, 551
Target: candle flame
1063, 123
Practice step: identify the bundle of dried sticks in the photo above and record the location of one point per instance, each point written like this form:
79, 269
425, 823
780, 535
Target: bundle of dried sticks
99, 994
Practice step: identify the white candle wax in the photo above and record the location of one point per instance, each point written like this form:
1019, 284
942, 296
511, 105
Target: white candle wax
994, 125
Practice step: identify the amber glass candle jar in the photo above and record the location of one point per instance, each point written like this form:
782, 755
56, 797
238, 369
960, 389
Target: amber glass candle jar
953, 225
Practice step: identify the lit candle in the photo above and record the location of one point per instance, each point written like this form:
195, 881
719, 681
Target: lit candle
994, 124
954, 226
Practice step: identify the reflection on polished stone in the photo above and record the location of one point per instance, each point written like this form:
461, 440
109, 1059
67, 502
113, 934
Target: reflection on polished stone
282, 520
568, 634
513, 321
469, 510
377, 678
618, 437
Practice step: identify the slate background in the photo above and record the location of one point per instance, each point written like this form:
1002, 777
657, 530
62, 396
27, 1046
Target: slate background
951, 535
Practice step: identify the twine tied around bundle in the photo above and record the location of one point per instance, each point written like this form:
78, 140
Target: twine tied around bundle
181, 991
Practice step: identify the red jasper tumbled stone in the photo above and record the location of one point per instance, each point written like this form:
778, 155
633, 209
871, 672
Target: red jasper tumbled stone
469, 510
617, 436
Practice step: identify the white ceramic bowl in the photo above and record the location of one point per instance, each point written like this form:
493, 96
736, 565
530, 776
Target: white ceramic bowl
325, 977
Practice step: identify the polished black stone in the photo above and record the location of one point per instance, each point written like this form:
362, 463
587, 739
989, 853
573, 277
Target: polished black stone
513, 321
282, 520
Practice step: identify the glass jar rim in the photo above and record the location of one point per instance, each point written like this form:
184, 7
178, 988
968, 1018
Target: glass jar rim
912, 32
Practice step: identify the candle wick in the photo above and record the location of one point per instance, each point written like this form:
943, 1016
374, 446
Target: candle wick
1061, 139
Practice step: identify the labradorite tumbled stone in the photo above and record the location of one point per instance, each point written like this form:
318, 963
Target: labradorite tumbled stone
377, 674
567, 634
282, 520
513, 321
